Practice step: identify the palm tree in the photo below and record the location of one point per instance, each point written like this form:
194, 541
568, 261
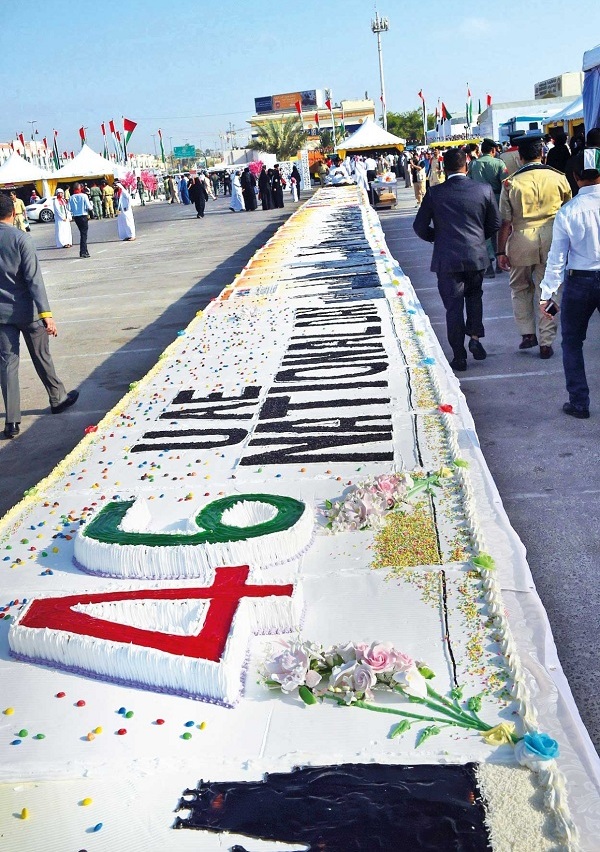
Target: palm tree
284, 139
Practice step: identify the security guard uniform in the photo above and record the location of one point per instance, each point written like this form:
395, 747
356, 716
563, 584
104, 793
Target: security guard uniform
96, 199
529, 200
108, 195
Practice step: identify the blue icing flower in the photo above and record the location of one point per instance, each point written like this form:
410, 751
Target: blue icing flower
541, 745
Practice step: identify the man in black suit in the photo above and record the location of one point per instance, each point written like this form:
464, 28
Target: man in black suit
464, 214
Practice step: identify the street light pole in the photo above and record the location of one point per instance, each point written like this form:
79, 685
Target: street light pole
378, 26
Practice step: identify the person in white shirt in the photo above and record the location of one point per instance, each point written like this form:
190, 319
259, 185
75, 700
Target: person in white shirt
576, 250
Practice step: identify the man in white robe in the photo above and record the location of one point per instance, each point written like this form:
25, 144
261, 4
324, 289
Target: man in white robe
125, 220
360, 173
62, 222
237, 199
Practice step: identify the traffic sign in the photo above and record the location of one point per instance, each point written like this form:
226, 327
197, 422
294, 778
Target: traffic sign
184, 152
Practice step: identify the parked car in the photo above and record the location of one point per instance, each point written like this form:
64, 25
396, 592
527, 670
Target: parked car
41, 210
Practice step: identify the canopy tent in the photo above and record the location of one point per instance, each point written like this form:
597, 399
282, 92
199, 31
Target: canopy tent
455, 143
568, 117
17, 171
591, 88
370, 137
86, 165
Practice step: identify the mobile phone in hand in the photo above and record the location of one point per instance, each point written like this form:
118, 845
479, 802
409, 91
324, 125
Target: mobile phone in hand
551, 308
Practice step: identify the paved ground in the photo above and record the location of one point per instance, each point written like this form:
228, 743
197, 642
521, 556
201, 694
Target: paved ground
546, 465
117, 311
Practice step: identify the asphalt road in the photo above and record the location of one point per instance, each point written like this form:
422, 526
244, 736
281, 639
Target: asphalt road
116, 313
545, 464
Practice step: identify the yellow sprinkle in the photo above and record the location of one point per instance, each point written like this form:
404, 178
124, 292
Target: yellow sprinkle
98, 730
202, 725
24, 813
9, 711
87, 801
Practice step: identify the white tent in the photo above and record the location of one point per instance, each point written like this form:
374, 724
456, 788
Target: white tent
370, 137
87, 164
17, 171
571, 112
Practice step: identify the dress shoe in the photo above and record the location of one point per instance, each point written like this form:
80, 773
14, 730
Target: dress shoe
579, 413
489, 272
546, 352
459, 364
69, 400
87, 254
11, 430
477, 350
528, 341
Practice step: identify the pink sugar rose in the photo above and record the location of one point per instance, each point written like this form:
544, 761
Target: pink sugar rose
379, 656
403, 662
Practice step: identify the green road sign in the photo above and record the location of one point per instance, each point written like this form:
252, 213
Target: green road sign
184, 152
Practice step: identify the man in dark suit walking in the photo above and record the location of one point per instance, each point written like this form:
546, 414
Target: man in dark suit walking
457, 216
24, 309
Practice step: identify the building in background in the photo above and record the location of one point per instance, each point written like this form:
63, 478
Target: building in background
568, 85
349, 113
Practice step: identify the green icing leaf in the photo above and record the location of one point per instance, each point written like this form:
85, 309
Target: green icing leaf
429, 731
474, 703
397, 730
461, 463
306, 695
484, 560
427, 673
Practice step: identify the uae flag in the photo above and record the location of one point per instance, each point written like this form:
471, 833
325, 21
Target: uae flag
55, 154
162, 147
591, 159
128, 128
469, 110
445, 114
488, 100
82, 135
116, 140
105, 150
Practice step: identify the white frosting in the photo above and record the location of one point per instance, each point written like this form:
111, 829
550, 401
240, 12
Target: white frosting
158, 670
144, 562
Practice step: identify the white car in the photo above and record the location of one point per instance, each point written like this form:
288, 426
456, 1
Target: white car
41, 210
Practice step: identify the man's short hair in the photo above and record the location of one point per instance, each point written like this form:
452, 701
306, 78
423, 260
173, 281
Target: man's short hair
530, 149
487, 146
454, 160
592, 140
580, 171
6, 206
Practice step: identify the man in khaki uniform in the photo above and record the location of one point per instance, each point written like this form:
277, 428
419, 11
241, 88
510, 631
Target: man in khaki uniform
108, 195
529, 201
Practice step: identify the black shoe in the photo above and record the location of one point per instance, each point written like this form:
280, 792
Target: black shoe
477, 350
579, 413
489, 272
546, 352
459, 364
87, 254
528, 341
11, 430
70, 400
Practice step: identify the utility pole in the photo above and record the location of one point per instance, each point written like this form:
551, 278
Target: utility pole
378, 26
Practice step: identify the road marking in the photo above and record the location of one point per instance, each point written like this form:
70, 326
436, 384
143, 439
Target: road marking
510, 375
545, 495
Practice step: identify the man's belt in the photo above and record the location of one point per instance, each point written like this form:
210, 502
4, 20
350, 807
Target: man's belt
590, 274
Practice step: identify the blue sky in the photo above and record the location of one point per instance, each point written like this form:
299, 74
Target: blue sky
191, 68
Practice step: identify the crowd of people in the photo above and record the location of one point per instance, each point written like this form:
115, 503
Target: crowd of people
533, 208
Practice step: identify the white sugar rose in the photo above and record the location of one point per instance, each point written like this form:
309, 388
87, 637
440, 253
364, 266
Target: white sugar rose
289, 668
353, 677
